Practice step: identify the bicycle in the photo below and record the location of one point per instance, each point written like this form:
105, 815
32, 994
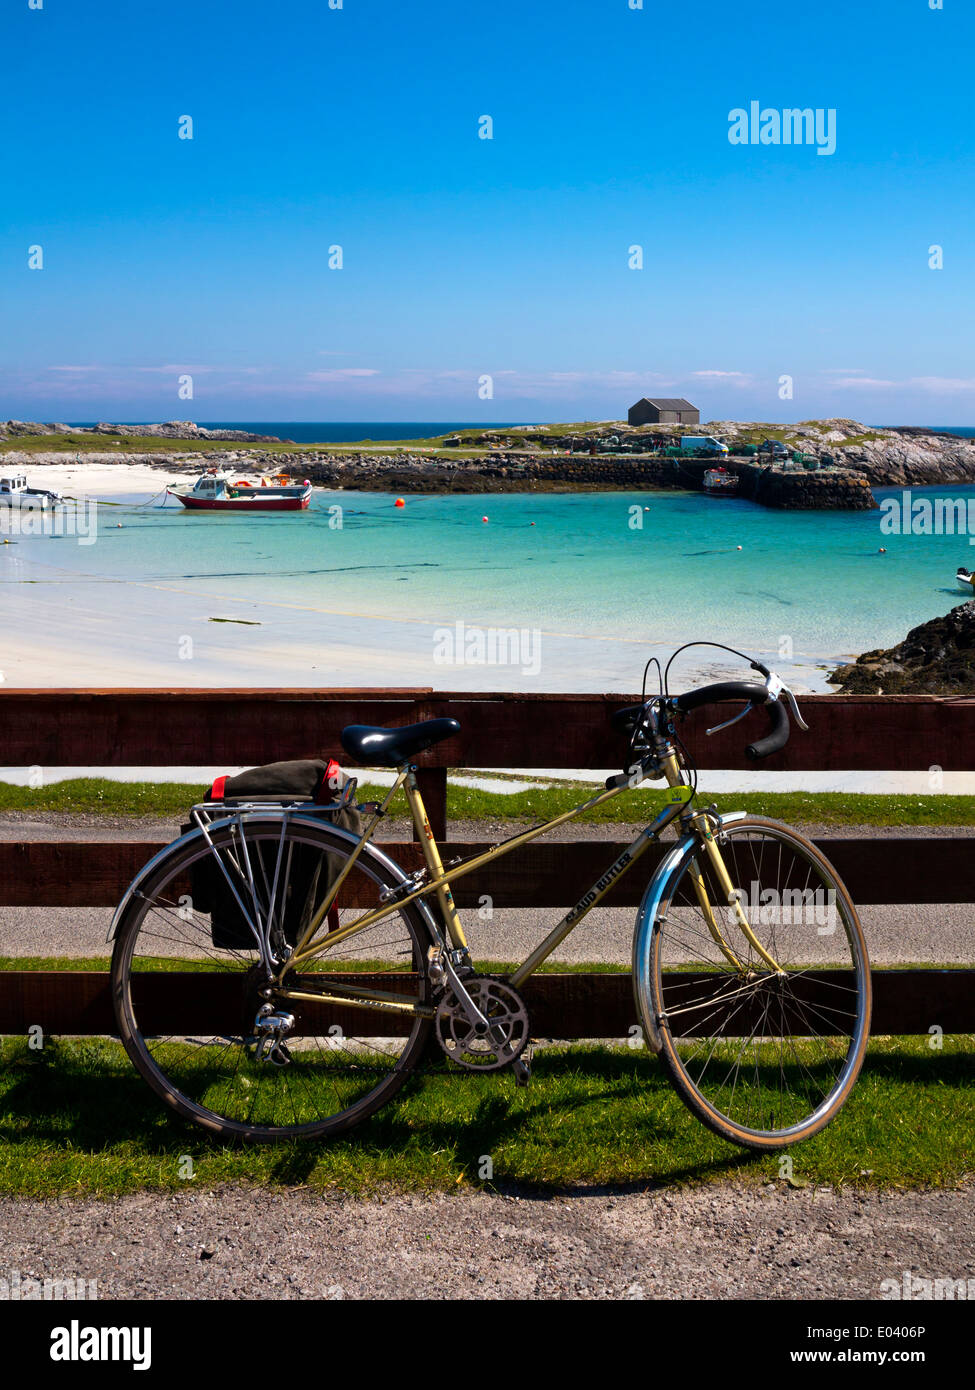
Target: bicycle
750, 969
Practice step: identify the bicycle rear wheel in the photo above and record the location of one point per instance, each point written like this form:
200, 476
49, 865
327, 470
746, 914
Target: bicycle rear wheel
763, 1057
194, 1015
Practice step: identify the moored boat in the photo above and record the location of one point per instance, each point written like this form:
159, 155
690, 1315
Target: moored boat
215, 492
966, 579
720, 482
15, 492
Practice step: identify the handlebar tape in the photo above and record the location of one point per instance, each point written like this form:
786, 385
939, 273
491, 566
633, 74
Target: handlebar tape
779, 729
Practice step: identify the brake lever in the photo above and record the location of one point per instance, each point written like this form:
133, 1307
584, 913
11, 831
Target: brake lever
728, 722
794, 707
777, 689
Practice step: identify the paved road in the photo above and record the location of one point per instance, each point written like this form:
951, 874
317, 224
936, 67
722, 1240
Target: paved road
713, 1242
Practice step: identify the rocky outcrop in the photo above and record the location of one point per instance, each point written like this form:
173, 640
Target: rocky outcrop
173, 429
937, 658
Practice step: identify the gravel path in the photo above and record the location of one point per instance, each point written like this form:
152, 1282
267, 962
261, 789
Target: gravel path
714, 1242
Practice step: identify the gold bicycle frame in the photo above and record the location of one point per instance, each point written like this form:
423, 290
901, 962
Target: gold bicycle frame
438, 882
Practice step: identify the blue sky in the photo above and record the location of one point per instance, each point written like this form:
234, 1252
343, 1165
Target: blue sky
465, 257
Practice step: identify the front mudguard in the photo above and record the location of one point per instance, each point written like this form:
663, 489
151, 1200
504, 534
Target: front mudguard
647, 917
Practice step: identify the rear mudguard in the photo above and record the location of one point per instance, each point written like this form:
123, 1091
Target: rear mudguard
648, 914
391, 867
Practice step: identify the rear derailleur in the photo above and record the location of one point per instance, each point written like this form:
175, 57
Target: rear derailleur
271, 1027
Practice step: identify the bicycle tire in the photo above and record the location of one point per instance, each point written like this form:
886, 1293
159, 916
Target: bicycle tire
802, 1035
186, 1069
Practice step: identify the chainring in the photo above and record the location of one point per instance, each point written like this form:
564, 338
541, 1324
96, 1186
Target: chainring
505, 1010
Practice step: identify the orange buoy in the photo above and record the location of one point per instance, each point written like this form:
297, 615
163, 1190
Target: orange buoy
242, 483
399, 502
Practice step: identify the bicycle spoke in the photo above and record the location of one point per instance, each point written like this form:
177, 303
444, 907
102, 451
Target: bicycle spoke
319, 1064
760, 1054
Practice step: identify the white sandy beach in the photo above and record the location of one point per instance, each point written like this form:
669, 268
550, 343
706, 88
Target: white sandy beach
92, 475
88, 624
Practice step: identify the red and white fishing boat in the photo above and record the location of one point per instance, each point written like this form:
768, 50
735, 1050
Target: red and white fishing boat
215, 492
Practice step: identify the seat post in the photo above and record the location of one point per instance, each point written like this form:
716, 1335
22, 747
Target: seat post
431, 855
432, 785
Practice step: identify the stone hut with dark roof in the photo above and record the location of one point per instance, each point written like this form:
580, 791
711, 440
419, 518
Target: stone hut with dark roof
668, 411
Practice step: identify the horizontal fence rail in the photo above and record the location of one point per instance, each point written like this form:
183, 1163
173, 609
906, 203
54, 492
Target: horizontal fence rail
155, 728
569, 1006
77, 873
206, 727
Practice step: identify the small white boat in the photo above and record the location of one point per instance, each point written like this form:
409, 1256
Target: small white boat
966, 580
14, 492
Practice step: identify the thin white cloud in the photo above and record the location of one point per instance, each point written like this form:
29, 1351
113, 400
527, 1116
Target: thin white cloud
341, 373
711, 372
870, 382
927, 385
943, 385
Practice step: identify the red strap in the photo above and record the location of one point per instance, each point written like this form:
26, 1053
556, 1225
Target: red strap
333, 918
216, 791
329, 787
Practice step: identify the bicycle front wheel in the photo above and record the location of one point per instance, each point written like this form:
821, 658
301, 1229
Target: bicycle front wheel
763, 1038
200, 1015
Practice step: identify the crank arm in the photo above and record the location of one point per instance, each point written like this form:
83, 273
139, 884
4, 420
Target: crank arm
471, 1012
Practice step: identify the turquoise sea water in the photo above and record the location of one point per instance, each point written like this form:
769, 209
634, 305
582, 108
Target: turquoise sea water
657, 567
339, 431
348, 431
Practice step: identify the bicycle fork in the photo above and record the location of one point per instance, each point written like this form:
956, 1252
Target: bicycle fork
732, 896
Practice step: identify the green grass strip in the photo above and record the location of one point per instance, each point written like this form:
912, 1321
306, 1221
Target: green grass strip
170, 800
75, 1118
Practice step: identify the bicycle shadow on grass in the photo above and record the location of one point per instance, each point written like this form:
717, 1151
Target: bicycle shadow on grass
93, 1109
102, 1109
443, 1123
482, 1123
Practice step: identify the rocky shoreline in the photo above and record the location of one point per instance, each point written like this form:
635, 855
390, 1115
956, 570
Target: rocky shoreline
936, 658
851, 460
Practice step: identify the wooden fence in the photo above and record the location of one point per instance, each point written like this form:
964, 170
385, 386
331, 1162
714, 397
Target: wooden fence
49, 728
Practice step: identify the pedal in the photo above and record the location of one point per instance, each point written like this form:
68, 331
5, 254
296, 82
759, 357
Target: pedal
522, 1071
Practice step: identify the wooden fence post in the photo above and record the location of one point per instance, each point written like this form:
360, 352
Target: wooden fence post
432, 782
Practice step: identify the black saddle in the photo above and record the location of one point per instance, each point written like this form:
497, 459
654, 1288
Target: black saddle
389, 747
